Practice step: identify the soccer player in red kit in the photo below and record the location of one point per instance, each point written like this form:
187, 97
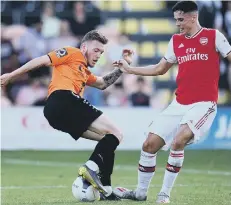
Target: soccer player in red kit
191, 113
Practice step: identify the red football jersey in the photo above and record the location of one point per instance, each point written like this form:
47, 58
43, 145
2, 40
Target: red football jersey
198, 62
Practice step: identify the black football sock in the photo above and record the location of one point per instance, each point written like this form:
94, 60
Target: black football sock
104, 155
105, 174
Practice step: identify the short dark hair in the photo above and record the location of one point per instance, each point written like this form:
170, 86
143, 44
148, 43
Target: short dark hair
94, 35
185, 6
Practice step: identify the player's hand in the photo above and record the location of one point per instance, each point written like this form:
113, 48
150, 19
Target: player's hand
123, 65
5, 79
128, 55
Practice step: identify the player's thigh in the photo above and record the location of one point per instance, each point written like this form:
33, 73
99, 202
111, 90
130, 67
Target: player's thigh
92, 135
182, 137
103, 125
166, 123
199, 119
165, 126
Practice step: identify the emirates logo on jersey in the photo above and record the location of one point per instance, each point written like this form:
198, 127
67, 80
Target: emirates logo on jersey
192, 55
203, 41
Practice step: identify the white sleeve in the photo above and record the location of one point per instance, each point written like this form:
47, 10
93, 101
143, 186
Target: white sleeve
170, 55
222, 45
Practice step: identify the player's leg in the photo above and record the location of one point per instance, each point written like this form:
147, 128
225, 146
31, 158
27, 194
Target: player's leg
159, 135
104, 125
103, 155
147, 163
105, 178
97, 137
104, 151
146, 169
175, 162
157, 138
68, 112
92, 135
194, 124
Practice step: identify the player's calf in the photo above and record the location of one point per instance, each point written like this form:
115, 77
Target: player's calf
174, 164
146, 170
103, 158
147, 163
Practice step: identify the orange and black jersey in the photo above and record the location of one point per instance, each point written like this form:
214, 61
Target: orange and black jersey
70, 71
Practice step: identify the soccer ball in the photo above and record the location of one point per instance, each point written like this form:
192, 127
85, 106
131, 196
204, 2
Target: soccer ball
83, 191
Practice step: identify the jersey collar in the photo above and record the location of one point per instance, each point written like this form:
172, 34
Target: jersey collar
195, 34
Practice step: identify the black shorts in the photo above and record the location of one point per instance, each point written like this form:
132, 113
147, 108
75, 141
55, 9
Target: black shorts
68, 112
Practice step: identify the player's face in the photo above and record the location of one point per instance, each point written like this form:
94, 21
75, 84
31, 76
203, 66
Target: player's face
94, 50
184, 21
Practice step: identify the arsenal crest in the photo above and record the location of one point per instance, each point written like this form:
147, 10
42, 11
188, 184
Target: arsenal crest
203, 40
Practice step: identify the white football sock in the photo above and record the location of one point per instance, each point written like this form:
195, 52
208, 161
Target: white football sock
175, 162
109, 190
146, 171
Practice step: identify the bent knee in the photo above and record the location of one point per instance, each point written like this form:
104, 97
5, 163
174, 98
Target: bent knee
114, 131
153, 143
119, 135
178, 144
149, 142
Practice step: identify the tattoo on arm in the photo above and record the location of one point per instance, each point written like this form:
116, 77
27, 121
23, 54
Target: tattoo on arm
110, 78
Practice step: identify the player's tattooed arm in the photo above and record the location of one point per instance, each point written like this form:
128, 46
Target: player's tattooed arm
112, 77
107, 80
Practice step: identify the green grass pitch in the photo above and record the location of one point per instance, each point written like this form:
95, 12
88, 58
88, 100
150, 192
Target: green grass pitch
45, 177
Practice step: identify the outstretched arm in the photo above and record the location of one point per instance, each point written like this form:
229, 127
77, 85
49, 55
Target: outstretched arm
152, 70
31, 65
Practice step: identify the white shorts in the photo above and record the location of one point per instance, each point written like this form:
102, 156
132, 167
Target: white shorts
199, 117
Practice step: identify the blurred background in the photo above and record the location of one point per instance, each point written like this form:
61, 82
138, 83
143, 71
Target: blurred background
33, 28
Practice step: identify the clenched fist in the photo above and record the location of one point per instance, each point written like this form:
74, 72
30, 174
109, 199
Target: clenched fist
5, 79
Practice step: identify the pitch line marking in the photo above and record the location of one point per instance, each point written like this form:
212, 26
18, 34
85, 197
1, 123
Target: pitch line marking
117, 167
126, 185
